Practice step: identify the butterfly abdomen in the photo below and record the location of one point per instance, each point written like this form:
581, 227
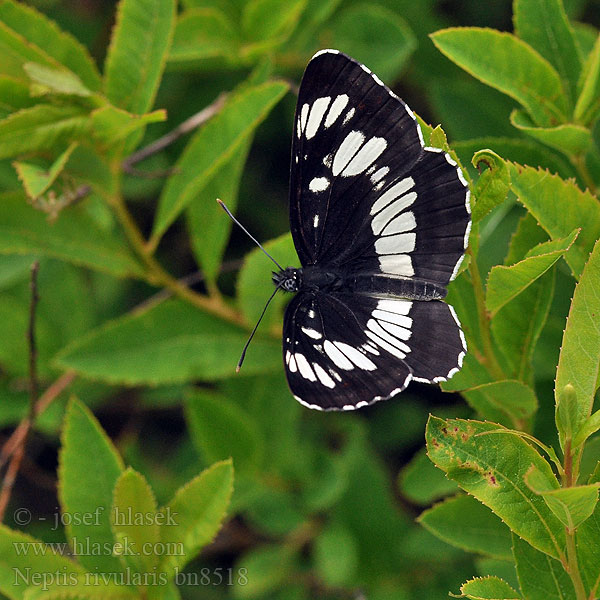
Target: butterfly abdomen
401, 287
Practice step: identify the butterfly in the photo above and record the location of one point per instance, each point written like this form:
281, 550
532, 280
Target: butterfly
380, 223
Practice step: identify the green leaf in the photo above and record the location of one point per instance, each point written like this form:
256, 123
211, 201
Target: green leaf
269, 23
525, 151
194, 515
167, 343
212, 147
138, 52
527, 235
588, 550
111, 125
589, 427
422, 483
40, 127
509, 398
462, 297
376, 36
89, 467
508, 64
579, 361
74, 237
466, 523
572, 505
517, 326
559, 206
221, 429
569, 138
208, 225
56, 81
541, 577
273, 512
266, 567
18, 556
588, 102
135, 524
46, 40
202, 33
254, 280
493, 184
488, 588
473, 373
491, 465
335, 555
37, 180
14, 95
544, 25
505, 283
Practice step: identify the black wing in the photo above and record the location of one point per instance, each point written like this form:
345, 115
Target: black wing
345, 351
365, 193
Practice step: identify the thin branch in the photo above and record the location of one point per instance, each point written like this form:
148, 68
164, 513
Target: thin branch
182, 129
18, 435
33, 377
25, 426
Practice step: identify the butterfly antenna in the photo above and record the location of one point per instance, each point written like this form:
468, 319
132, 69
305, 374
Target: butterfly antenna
224, 207
239, 365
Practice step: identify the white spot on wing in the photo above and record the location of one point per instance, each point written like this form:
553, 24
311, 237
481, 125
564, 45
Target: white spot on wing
403, 222
323, 376
316, 116
400, 307
336, 109
396, 244
339, 359
383, 344
318, 184
397, 264
325, 51
304, 116
315, 225
304, 367
381, 219
312, 333
398, 189
291, 363
365, 157
348, 116
378, 330
392, 317
399, 332
348, 148
379, 174
357, 357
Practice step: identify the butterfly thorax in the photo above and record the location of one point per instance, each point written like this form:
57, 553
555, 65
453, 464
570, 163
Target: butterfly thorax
308, 278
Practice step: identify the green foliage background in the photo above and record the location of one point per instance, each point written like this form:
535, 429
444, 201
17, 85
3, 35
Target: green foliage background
147, 297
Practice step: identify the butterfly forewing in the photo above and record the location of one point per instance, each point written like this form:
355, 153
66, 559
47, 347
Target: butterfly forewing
364, 192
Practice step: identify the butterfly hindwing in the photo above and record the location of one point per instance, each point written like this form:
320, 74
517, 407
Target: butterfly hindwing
365, 193
345, 351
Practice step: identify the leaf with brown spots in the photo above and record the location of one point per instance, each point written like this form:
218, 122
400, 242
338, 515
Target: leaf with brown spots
492, 466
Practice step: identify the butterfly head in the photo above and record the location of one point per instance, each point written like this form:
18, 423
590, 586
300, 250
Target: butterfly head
288, 279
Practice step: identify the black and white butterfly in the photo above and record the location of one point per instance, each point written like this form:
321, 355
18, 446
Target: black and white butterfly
380, 223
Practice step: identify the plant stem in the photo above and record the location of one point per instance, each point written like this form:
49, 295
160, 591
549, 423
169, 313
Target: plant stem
157, 276
574, 566
570, 478
484, 322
